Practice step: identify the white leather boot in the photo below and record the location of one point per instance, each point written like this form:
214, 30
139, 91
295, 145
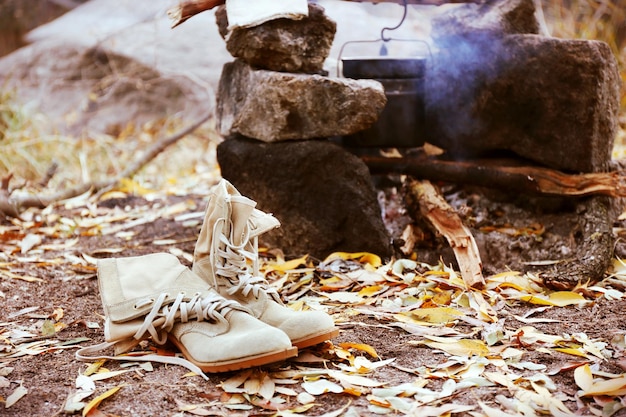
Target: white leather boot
228, 240
155, 296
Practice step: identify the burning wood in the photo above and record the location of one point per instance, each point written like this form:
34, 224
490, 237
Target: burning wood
528, 179
423, 198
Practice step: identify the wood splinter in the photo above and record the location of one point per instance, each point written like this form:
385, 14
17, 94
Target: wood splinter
434, 208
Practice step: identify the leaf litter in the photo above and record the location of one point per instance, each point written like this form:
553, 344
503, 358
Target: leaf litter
414, 339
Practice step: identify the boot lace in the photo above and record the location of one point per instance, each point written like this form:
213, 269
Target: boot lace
211, 308
230, 261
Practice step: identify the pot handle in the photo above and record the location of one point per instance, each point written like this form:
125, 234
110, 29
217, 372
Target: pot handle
383, 49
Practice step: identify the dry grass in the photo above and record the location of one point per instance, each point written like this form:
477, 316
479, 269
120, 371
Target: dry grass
28, 150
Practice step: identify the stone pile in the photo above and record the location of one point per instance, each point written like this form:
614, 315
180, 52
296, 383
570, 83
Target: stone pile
276, 108
495, 83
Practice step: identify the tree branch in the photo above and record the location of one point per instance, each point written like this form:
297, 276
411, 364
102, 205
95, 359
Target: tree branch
529, 179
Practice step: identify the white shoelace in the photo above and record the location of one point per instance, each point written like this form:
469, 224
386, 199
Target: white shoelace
231, 263
212, 308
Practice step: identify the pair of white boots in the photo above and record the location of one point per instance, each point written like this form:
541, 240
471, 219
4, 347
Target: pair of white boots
222, 314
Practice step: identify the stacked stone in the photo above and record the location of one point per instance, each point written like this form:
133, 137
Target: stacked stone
276, 108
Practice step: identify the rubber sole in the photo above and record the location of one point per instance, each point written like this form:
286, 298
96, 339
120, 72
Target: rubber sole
239, 363
316, 339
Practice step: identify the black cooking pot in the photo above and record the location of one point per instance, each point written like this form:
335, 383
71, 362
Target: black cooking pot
402, 121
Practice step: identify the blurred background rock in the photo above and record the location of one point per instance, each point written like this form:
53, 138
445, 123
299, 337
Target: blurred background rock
18, 17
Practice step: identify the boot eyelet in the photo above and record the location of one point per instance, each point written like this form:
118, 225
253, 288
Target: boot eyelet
143, 303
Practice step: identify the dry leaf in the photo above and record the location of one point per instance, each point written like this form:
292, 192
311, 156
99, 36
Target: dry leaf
362, 257
321, 386
558, 298
93, 404
15, 396
592, 387
437, 315
360, 346
463, 347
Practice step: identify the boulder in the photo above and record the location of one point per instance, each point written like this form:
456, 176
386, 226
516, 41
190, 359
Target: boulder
276, 106
496, 18
322, 195
282, 44
552, 101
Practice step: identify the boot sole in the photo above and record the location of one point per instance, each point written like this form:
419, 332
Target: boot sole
240, 363
315, 339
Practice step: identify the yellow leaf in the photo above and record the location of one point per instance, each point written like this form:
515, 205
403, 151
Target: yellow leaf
363, 257
268, 387
438, 315
558, 299
572, 351
96, 401
360, 346
406, 317
443, 298
288, 265
463, 347
133, 187
611, 387
369, 291
106, 374
565, 298
93, 368
57, 314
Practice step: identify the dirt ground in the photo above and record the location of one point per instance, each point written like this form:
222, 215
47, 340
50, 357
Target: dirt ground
413, 340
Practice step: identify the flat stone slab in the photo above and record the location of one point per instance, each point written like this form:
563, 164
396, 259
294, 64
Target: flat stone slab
282, 44
275, 106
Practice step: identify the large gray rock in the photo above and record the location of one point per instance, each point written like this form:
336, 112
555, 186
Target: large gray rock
549, 100
275, 106
282, 44
503, 17
322, 195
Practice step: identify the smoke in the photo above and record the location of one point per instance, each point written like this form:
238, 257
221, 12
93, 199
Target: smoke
459, 72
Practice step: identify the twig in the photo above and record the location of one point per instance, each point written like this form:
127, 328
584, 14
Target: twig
12, 206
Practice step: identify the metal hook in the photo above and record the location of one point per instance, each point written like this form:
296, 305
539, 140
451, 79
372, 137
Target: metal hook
382, 32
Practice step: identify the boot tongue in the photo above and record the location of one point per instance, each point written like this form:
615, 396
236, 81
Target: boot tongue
261, 222
242, 208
